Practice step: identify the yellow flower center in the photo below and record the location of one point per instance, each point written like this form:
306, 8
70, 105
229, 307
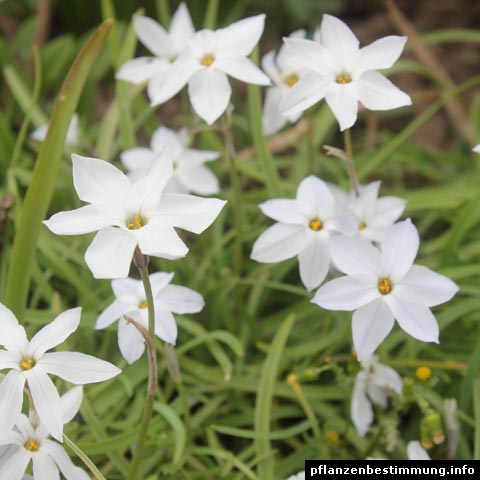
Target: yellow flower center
207, 60
27, 363
343, 78
384, 286
423, 373
291, 80
31, 445
362, 226
136, 223
315, 224
143, 304
332, 436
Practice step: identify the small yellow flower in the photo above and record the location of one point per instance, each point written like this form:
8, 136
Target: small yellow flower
423, 373
333, 437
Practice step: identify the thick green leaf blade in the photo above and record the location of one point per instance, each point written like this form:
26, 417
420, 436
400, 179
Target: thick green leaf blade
40, 191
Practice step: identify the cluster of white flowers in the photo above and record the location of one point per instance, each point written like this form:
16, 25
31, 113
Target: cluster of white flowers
329, 230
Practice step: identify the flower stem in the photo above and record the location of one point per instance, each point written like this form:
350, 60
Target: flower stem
152, 370
83, 457
352, 173
237, 205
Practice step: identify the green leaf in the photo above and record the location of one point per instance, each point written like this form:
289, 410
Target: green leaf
42, 186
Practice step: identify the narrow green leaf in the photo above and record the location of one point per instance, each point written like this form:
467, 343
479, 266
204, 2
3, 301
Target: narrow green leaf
40, 191
264, 397
476, 412
177, 427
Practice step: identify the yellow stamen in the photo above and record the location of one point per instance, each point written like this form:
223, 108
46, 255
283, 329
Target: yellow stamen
137, 223
27, 364
143, 304
362, 226
333, 436
315, 224
207, 60
343, 78
291, 80
31, 445
423, 373
384, 286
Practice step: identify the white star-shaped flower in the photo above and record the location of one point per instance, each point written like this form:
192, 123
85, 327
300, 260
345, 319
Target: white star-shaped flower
73, 132
344, 74
190, 175
207, 60
130, 301
372, 384
307, 227
476, 148
382, 285
165, 46
374, 215
129, 213
285, 73
30, 443
30, 363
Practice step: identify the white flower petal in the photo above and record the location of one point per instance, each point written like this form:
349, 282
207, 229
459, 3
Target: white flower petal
387, 377
112, 313
280, 242
55, 332
165, 326
377, 395
124, 286
15, 466
312, 56
338, 38
71, 401
11, 400
309, 90
59, 455
174, 80
130, 341
99, 182
399, 249
377, 92
44, 467
199, 180
166, 137
159, 240
343, 101
270, 67
151, 34
181, 29
355, 256
180, 299
476, 148
388, 210
110, 253
137, 158
242, 69
431, 288
415, 318
146, 192
370, 325
382, 53
284, 210
40, 133
12, 334
159, 281
240, 38
189, 212
78, 368
346, 293
315, 192
314, 263
361, 409
196, 158
89, 218
416, 452
46, 399
141, 69
209, 92
272, 119
8, 360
